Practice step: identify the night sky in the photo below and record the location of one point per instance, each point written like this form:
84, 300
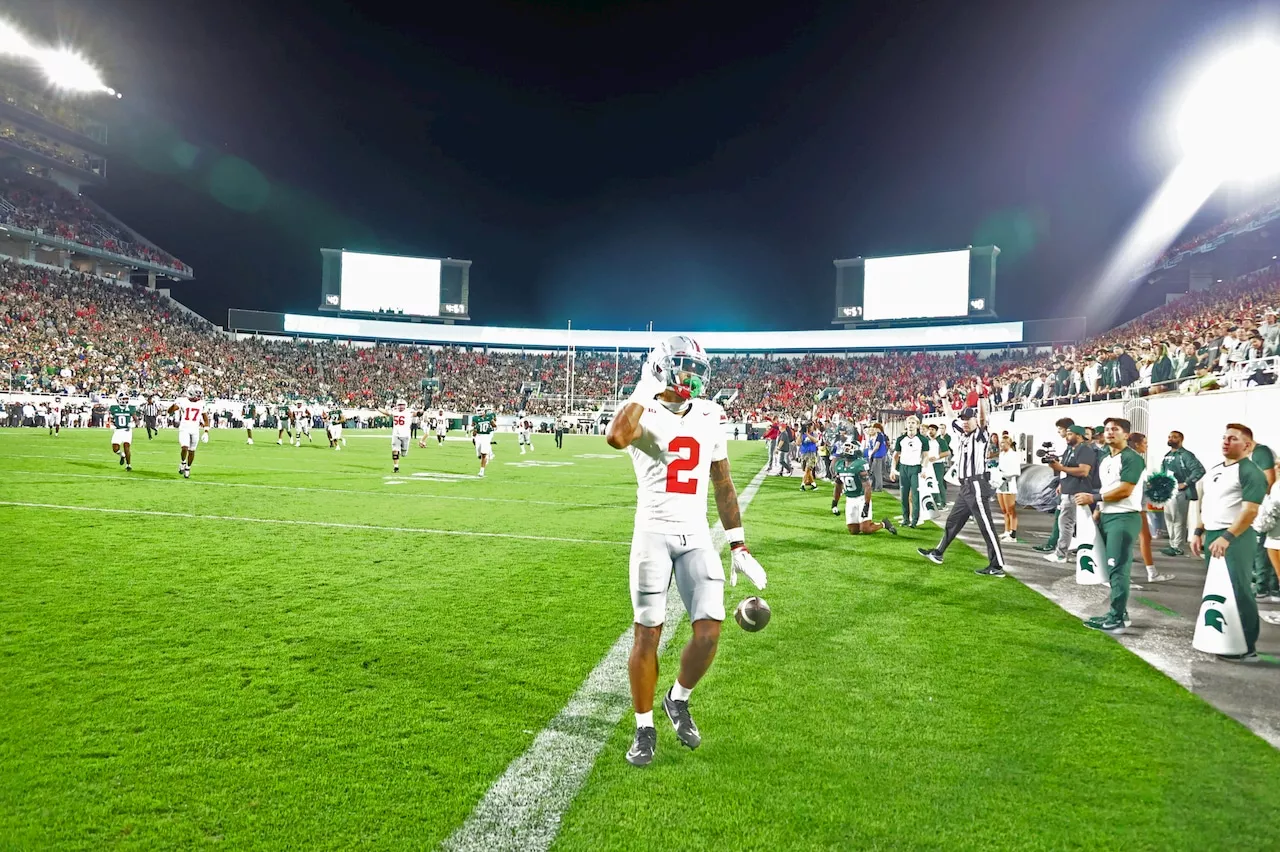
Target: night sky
694, 164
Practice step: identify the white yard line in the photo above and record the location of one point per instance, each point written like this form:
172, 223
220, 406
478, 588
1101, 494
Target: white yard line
297, 523
123, 478
523, 808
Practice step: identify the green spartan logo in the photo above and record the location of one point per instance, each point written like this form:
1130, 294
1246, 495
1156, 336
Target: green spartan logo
1085, 556
1213, 617
927, 503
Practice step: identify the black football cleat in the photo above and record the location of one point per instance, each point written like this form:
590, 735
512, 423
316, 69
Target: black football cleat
888, 525
678, 713
932, 555
641, 751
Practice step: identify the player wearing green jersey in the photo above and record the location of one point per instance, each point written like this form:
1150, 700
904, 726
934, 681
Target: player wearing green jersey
853, 482
121, 415
333, 421
250, 418
483, 424
282, 422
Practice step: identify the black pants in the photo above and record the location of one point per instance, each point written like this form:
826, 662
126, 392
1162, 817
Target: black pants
973, 500
151, 426
559, 440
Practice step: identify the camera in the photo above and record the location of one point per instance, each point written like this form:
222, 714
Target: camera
1046, 453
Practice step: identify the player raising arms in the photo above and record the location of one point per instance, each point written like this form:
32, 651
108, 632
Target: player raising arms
401, 418
676, 442
121, 415
483, 424
853, 482
191, 417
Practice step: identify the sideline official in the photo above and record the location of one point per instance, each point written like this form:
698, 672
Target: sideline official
973, 498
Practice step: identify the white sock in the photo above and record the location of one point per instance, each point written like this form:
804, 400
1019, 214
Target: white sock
679, 693
1151, 572
644, 720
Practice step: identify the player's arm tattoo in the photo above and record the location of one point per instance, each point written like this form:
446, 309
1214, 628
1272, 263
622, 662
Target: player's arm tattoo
726, 495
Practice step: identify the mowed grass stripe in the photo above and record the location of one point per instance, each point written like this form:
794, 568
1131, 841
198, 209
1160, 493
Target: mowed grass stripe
893, 704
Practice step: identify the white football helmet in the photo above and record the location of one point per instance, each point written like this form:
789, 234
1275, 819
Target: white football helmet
194, 391
122, 397
685, 365
401, 404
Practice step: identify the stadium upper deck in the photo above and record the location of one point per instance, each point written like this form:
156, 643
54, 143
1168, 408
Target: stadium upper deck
52, 145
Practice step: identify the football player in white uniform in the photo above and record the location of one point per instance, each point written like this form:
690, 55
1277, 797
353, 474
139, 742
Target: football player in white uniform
524, 432
676, 441
191, 417
401, 422
54, 418
442, 427
301, 423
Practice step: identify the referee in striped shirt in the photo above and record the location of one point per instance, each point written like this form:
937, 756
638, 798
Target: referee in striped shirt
150, 411
970, 447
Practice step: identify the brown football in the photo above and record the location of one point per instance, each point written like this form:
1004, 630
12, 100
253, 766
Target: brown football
752, 614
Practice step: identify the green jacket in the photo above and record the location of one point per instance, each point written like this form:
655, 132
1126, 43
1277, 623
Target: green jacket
1183, 465
1161, 371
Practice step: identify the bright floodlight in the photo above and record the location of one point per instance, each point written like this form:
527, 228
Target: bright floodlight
12, 41
1228, 122
67, 69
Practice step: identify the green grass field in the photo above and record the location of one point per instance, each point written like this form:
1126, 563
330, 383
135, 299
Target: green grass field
291, 650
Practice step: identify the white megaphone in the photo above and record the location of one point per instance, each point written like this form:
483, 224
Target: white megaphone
1218, 628
928, 493
1089, 568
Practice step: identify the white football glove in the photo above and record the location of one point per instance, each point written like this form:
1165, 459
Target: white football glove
651, 383
742, 560
204, 438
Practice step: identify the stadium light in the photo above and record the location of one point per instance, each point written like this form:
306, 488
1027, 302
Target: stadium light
13, 42
1226, 123
67, 69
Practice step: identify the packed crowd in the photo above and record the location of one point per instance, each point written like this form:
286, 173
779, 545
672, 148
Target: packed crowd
37, 145
1226, 336
37, 205
64, 332
1255, 213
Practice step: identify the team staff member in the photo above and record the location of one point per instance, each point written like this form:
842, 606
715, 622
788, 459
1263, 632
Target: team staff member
1183, 466
1265, 582
941, 458
1230, 494
974, 498
1076, 470
1119, 502
908, 455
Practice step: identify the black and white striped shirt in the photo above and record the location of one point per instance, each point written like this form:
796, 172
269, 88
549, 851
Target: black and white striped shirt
150, 409
971, 450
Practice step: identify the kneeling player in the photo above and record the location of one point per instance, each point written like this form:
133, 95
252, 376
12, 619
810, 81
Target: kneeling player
853, 482
676, 443
121, 415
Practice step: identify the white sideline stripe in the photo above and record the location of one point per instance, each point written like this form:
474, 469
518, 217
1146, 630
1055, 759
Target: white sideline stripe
370, 492
297, 523
523, 808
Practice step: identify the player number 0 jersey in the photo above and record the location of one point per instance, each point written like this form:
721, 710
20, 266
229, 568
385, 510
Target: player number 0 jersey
672, 459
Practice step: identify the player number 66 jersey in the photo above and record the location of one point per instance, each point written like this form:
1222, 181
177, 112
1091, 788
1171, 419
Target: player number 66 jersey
672, 459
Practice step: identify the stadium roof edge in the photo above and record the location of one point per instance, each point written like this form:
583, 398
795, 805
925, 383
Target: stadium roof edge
968, 335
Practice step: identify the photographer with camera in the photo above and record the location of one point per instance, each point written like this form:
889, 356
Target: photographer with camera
1075, 468
1052, 451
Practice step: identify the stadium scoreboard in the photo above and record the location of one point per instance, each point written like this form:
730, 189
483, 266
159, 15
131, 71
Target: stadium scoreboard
392, 285
904, 288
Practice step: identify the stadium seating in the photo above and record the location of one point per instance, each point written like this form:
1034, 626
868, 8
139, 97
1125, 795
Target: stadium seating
37, 205
64, 332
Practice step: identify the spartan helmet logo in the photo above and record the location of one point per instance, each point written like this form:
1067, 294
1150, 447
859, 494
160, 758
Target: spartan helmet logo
1084, 556
1212, 616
